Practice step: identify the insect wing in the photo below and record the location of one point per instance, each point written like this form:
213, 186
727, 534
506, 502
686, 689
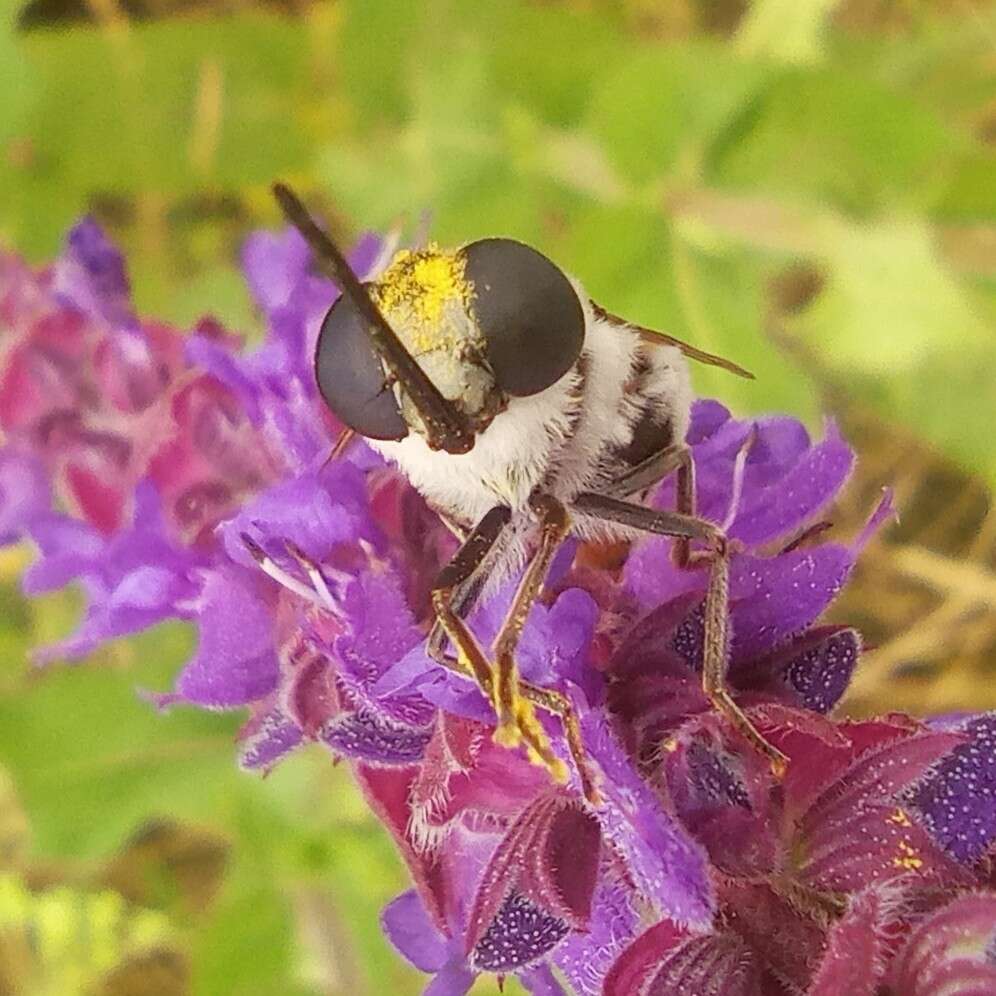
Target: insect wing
656, 338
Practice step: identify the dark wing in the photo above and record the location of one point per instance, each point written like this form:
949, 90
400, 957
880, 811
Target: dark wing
662, 338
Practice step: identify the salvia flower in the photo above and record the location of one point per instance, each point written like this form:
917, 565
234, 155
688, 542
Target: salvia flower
179, 475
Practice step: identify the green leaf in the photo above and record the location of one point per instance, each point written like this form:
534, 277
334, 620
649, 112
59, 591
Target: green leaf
696, 287
166, 108
898, 328
837, 139
92, 760
374, 58
16, 83
550, 59
660, 109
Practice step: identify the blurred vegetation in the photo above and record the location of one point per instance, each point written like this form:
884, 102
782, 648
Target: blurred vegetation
807, 186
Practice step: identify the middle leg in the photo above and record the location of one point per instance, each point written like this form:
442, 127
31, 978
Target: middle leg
674, 458
512, 692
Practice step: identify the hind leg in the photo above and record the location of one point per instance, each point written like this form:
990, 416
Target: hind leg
685, 528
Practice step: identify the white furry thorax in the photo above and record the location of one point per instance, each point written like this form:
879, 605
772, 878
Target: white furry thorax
561, 439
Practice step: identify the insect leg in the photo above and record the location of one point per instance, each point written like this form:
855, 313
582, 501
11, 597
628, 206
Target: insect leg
462, 580
462, 600
684, 500
674, 458
557, 703
457, 589
470, 659
516, 719
688, 527
649, 471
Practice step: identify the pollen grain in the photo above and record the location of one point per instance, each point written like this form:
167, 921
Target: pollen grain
418, 287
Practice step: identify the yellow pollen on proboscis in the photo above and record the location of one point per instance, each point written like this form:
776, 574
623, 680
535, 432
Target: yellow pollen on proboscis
907, 859
417, 288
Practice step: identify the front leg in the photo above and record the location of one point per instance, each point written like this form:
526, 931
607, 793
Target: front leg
517, 721
457, 587
685, 528
450, 597
460, 582
554, 527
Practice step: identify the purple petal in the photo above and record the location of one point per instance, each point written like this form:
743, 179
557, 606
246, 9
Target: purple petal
235, 662
379, 623
668, 867
585, 959
452, 980
445, 689
25, 494
957, 801
69, 549
91, 275
555, 641
274, 263
273, 737
708, 416
133, 580
141, 598
410, 930
771, 600
217, 359
315, 511
772, 511
540, 981
775, 599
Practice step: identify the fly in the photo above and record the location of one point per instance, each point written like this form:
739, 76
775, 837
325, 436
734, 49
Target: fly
524, 413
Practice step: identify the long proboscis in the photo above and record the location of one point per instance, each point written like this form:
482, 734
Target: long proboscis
445, 428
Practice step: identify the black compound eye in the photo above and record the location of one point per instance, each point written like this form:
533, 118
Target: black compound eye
528, 313
351, 378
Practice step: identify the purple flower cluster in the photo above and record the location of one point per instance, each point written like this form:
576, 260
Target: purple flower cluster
160, 469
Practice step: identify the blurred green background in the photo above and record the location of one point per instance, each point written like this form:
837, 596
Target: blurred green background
806, 186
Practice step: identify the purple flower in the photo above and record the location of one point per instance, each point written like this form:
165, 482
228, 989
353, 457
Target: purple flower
179, 476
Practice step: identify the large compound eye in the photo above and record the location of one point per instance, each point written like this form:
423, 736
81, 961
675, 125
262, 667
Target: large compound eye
351, 378
528, 313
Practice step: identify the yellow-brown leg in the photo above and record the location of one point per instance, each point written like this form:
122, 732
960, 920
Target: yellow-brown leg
513, 699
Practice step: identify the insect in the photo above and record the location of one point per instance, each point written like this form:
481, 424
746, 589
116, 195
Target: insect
524, 413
